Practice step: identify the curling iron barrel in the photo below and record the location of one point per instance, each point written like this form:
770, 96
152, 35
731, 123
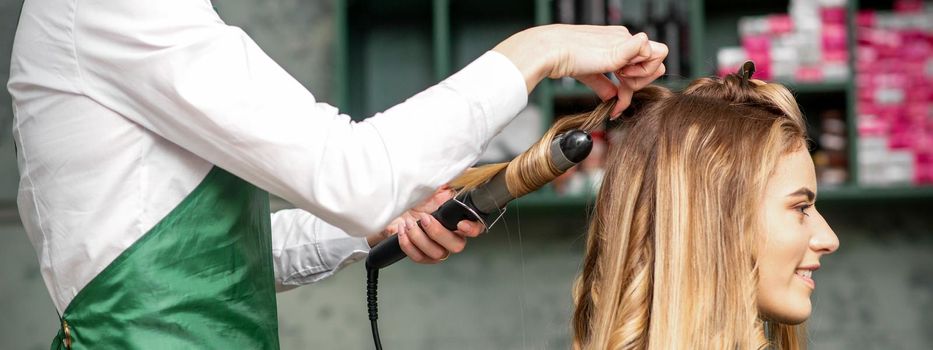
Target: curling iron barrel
481, 203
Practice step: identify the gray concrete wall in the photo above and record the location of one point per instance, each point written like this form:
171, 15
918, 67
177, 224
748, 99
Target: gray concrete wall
511, 289
9, 177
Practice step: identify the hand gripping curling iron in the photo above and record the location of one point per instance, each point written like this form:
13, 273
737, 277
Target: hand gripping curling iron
478, 205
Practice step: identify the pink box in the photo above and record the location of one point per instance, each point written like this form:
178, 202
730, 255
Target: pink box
865, 18
833, 15
865, 54
900, 139
756, 43
924, 166
834, 37
780, 24
835, 55
908, 6
809, 74
870, 126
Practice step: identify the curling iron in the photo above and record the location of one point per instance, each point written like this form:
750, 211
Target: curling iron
478, 205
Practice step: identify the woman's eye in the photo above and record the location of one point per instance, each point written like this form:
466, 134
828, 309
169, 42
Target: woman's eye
803, 209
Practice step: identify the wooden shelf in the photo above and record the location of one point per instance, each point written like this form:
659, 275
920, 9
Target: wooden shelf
865, 193
561, 89
811, 88
549, 200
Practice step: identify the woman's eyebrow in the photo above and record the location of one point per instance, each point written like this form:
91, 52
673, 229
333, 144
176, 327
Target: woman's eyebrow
803, 191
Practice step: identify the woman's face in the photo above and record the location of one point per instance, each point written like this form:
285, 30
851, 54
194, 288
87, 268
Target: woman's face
795, 238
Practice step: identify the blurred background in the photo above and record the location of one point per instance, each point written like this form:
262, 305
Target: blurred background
862, 72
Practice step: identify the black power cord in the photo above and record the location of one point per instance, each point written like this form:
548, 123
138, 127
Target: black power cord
372, 279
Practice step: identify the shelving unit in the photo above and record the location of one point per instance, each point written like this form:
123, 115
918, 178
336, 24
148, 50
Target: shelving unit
547, 200
427, 40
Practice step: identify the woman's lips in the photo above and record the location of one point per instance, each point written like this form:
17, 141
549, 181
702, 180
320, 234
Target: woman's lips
805, 274
806, 279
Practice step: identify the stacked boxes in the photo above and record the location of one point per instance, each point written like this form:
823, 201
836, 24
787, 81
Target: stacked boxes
893, 77
894, 65
808, 44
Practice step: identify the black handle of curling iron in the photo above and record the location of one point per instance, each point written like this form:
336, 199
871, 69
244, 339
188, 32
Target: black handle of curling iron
573, 145
389, 251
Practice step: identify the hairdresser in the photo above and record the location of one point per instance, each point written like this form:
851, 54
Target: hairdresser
149, 134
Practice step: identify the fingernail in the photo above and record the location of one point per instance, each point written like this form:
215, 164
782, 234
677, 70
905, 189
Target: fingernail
400, 229
463, 226
424, 221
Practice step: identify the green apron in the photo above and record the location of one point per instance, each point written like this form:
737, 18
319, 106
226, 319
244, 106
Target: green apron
201, 278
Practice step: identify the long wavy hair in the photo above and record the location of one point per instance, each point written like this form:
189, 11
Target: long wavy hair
670, 255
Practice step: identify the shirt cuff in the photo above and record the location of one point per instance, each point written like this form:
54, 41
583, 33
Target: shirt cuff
496, 84
329, 251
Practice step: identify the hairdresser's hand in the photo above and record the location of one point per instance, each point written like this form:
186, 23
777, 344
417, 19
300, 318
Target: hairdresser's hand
586, 52
423, 238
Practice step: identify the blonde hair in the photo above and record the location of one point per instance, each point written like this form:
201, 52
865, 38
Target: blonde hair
669, 261
670, 256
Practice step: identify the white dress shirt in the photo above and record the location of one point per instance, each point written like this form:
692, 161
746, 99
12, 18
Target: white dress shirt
122, 107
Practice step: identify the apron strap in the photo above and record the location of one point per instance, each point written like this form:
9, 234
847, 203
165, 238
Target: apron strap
62, 340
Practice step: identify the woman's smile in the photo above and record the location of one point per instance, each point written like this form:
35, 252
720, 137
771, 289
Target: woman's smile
805, 274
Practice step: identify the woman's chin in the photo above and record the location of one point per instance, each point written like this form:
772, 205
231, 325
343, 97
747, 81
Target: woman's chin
789, 314
793, 321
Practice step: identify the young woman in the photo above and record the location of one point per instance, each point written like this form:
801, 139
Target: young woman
704, 234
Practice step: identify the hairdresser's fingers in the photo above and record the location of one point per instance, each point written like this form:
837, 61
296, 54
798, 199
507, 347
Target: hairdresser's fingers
633, 50
450, 241
637, 83
659, 53
421, 240
410, 249
468, 228
648, 67
390, 230
624, 97
586, 50
635, 70
393, 226
598, 82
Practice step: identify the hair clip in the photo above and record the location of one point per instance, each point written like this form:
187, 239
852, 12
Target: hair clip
746, 71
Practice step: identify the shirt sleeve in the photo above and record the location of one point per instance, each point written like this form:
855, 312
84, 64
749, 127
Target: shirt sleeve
306, 249
174, 67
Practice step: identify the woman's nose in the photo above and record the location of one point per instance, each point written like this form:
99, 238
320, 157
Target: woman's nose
824, 239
